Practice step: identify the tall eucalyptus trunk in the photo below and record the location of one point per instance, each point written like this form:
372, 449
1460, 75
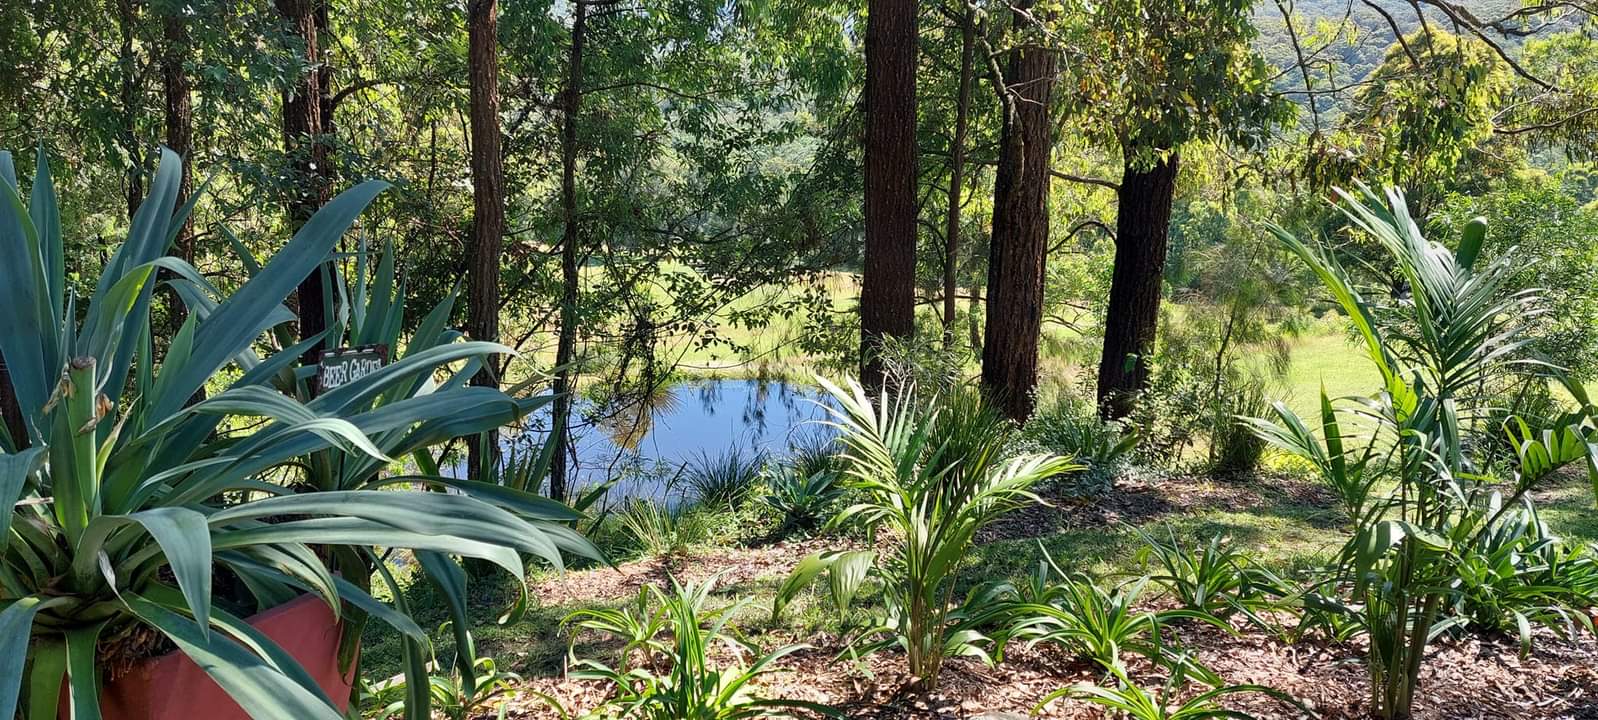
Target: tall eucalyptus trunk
179, 125
488, 200
1142, 229
887, 292
127, 14
305, 144
1016, 258
951, 230
566, 346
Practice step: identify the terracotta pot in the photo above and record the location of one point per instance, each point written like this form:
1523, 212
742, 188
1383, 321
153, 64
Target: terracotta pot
172, 687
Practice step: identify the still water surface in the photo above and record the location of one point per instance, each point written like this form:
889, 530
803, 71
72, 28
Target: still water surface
645, 446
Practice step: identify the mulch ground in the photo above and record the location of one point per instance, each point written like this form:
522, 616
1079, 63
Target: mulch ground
1469, 678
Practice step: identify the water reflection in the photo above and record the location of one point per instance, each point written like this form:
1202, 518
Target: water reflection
644, 444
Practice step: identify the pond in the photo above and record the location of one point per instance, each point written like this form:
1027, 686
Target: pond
645, 446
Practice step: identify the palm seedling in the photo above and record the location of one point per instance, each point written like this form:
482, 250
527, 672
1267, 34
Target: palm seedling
1094, 623
930, 476
1131, 700
675, 677
1459, 327
1212, 577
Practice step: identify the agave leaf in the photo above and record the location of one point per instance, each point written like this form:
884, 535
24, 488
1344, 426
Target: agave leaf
247, 313
182, 536
521, 502
16, 628
359, 532
413, 651
419, 512
28, 331
103, 328
148, 239
83, 673
296, 562
47, 670
14, 473
450, 580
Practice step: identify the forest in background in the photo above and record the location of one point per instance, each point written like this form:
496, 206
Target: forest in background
1282, 309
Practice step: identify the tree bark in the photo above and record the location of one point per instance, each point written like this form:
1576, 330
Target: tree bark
1142, 226
304, 143
566, 347
1016, 260
951, 234
179, 123
127, 64
887, 293
488, 201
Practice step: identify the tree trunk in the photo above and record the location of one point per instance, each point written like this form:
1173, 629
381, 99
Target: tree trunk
488, 199
324, 86
887, 293
127, 63
1020, 234
951, 234
974, 309
566, 348
1142, 223
179, 123
303, 142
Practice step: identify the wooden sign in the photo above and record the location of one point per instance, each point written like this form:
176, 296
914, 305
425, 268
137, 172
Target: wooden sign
342, 366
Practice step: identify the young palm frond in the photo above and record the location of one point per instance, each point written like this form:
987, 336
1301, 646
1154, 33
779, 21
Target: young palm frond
1456, 327
931, 476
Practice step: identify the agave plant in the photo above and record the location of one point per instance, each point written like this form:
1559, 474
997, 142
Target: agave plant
126, 496
1459, 327
931, 475
804, 502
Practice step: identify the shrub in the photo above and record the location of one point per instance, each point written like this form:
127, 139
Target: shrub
815, 452
1518, 574
930, 475
725, 479
1091, 622
455, 694
1234, 449
805, 502
659, 531
126, 495
1460, 327
1071, 427
672, 679
1212, 577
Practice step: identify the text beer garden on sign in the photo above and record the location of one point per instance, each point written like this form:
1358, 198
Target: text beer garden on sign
340, 366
